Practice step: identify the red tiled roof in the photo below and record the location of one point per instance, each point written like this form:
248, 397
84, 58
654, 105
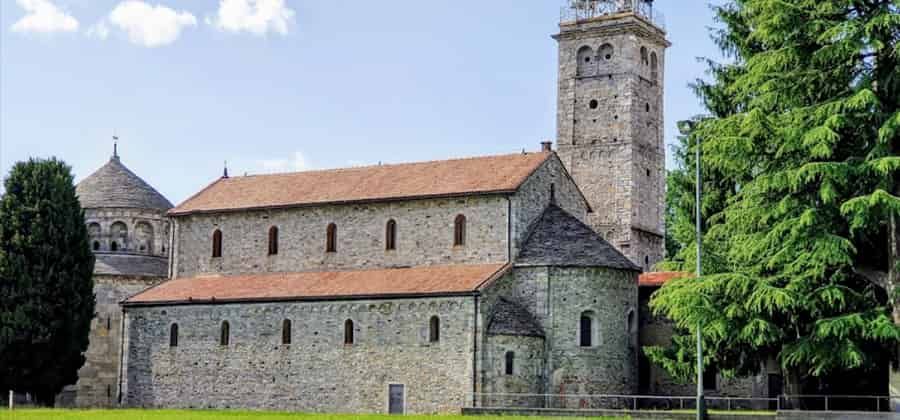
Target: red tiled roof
426, 280
480, 175
660, 278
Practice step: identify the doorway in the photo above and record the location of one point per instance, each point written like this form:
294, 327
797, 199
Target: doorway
396, 399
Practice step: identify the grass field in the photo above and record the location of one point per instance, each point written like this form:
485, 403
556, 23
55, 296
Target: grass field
216, 415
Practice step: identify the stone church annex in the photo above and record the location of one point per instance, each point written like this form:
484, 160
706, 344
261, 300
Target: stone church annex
402, 288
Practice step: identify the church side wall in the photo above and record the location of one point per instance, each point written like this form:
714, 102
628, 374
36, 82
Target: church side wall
534, 195
527, 375
317, 372
424, 236
97, 384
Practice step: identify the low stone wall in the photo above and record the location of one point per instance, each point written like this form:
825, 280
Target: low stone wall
835, 415
655, 415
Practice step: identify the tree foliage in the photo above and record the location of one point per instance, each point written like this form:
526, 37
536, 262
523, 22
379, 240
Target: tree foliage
46, 285
801, 157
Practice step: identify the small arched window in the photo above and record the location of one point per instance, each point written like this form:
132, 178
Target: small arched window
654, 67
217, 244
286, 331
331, 240
586, 64
114, 246
586, 329
348, 332
96, 246
434, 329
459, 231
225, 334
173, 335
390, 235
510, 362
644, 59
273, 240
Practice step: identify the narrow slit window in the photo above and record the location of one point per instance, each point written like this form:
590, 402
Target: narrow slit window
273, 240
217, 244
510, 361
286, 332
173, 335
459, 231
434, 329
331, 240
225, 334
348, 332
587, 330
390, 235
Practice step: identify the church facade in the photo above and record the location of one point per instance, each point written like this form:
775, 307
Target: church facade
410, 288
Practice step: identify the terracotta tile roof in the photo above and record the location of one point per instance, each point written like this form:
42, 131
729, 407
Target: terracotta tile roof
660, 278
428, 280
456, 177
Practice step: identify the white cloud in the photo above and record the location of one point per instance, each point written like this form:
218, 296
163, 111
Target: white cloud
42, 16
296, 163
99, 30
147, 25
257, 17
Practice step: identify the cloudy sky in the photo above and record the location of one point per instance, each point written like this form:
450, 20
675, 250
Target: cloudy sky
279, 85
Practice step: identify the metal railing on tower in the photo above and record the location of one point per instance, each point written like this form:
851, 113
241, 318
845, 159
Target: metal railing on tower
580, 10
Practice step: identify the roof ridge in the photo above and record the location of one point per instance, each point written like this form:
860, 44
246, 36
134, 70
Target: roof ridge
386, 165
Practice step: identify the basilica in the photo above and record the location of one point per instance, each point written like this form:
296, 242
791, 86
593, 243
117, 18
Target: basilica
409, 288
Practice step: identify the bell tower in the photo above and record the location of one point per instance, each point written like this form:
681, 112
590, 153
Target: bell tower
610, 119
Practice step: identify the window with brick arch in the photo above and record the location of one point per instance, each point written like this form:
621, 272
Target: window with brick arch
434, 329
390, 235
225, 334
348, 332
459, 231
286, 332
331, 238
510, 362
273, 240
217, 244
173, 335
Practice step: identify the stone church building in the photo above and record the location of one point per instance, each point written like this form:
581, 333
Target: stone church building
414, 288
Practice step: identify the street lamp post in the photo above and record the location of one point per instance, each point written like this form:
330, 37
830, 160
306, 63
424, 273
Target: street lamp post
701, 401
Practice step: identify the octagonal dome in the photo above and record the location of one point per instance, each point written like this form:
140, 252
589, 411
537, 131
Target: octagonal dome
115, 186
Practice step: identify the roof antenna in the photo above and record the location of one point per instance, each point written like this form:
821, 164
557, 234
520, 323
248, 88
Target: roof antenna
115, 146
225, 173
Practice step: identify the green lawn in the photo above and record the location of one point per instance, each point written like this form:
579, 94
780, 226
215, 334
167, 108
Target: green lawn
216, 415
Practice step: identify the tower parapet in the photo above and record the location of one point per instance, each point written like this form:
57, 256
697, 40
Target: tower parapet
581, 10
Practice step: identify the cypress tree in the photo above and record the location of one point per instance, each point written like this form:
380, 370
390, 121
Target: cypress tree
46, 285
801, 152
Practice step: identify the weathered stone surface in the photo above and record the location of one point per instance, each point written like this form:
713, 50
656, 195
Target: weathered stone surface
317, 372
610, 131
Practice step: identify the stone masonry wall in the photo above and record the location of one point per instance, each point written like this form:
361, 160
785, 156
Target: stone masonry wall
147, 231
534, 196
97, 384
528, 370
610, 365
610, 131
424, 236
317, 372
557, 297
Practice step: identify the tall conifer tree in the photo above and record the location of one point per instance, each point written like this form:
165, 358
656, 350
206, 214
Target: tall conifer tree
801, 153
46, 285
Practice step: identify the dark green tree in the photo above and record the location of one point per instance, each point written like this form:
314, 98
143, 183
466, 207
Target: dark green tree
801, 152
46, 288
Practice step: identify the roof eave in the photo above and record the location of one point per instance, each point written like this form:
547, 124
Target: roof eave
252, 300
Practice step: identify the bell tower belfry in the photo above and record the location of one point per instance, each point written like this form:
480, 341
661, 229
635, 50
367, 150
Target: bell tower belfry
610, 119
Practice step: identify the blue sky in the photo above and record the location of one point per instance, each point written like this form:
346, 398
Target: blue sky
298, 84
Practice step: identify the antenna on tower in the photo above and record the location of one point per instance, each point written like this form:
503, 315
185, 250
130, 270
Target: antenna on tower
225, 172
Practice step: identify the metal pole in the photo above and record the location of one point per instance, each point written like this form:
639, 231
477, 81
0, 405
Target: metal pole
11, 400
701, 403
